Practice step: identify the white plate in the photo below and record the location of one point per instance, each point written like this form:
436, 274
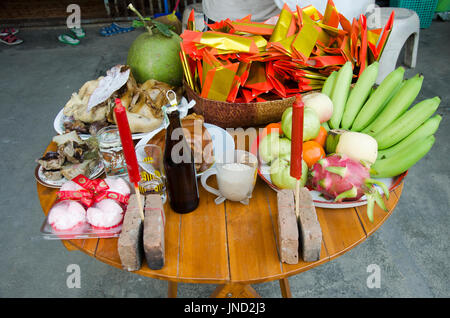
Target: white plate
223, 142
319, 200
58, 125
40, 177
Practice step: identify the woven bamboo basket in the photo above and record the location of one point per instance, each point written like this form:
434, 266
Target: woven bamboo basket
234, 115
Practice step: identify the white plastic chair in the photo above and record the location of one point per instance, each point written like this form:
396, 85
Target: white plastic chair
405, 32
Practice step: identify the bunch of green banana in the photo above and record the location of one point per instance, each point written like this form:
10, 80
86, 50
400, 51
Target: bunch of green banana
404, 134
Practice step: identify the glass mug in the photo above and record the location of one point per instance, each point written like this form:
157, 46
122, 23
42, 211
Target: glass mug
150, 160
236, 177
111, 151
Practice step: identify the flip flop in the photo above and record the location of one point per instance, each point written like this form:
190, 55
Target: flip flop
68, 39
6, 31
78, 32
10, 39
114, 29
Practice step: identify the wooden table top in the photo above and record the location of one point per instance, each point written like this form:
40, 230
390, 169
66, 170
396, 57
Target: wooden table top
234, 243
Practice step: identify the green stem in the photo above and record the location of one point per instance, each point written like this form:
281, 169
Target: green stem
146, 23
385, 189
370, 206
379, 200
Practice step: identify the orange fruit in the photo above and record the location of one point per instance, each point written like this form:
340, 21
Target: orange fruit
273, 127
270, 128
312, 152
322, 136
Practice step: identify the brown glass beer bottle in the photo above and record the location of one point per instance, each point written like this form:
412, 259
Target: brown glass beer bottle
182, 188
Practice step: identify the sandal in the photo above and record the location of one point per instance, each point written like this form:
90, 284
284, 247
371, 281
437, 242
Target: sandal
10, 39
114, 29
78, 32
68, 39
6, 31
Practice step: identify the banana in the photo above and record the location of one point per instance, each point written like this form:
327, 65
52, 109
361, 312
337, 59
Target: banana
428, 128
327, 87
397, 105
359, 94
402, 160
399, 86
407, 123
332, 140
340, 93
377, 99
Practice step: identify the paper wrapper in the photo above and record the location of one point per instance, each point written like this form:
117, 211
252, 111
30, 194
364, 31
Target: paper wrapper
294, 52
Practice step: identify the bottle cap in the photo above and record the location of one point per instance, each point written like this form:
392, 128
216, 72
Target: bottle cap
172, 98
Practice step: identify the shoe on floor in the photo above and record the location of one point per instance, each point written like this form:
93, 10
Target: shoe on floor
6, 31
10, 39
113, 29
68, 39
78, 32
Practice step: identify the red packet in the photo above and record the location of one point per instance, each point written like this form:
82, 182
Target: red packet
218, 82
345, 24
240, 79
284, 46
363, 52
255, 28
250, 95
285, 26
313, 13
191, 21
220, 26
331, 15
257, 78
323, 61
221, 41
345, 49
306, 38
354, 38
275, 80
385, 36
372, 40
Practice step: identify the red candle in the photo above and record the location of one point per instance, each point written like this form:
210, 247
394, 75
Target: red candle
127, 142
297, 138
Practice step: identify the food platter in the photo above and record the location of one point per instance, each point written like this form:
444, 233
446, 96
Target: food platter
319, 200
58, 125
97, 171
223, 142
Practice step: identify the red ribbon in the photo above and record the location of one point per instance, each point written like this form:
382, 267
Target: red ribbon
93, 191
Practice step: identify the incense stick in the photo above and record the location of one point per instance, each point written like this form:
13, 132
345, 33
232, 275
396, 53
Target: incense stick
297, 195
138, 197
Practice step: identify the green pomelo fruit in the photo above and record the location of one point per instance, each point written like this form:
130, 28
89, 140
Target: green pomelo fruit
155, 56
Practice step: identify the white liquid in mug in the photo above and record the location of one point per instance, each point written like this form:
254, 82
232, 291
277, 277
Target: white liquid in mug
236, 181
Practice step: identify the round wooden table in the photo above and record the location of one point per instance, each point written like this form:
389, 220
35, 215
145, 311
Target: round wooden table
233, 245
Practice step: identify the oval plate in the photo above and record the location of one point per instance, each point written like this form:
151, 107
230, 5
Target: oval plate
56, 184
319, 200
58, 125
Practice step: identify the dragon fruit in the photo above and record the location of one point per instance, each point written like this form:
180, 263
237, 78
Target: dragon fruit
341, 178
